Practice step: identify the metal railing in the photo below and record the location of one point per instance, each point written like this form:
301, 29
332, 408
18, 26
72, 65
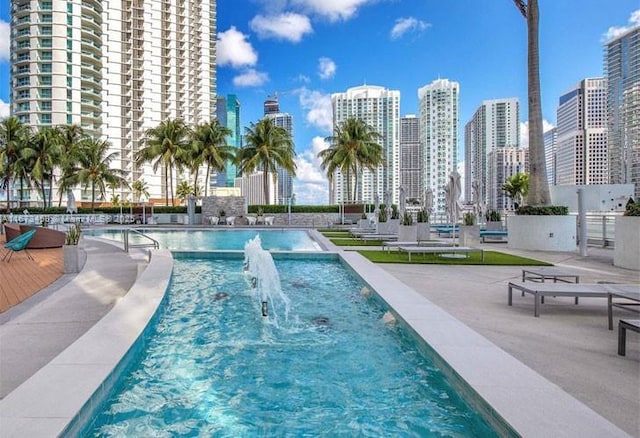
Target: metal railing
127, 244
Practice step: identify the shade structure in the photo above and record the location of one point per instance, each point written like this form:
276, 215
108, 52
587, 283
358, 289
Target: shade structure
427, 201
452, 191
71, 202
403, 199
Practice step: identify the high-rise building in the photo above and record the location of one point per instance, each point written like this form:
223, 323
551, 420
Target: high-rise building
285, 121
581, 143
228, 114
379, 108
549, 139
622, 71
438, 118
503, 163
494, 125
116, 68
411, 157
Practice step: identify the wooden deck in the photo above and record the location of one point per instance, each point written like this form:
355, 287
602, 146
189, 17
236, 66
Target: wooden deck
22, 278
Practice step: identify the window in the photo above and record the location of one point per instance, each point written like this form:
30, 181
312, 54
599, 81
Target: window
47, 6
46, 68
22, 69
24, 106
45, 119
46, 42
46, 80
70, 20
69, 119
47, 18
46, 105
24, 44
45, 93
46, 30
24, 94
46, 55
69, 32
22, 82
69, 45
69, 82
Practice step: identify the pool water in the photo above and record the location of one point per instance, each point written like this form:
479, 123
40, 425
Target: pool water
225, 240
211, 365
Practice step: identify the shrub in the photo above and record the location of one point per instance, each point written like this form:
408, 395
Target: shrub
493, 216
632, 208
423, 216
73, 235
407, 219
395, 214
382, 215
469, 218
543, 210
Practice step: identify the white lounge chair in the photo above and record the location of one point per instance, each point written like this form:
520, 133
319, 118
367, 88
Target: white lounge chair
251, 220
231, 220
213, 220
268, 220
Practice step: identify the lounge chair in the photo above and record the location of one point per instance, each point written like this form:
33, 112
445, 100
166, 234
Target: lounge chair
213, 220
251, 220
540, 290
19, 244
440, 250
231, 220
268, 220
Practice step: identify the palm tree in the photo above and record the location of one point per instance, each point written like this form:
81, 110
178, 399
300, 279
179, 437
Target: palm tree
183, 190
267, 147
539, 186
167, 144
353, 147
140, 188
93, 169
70, 138
517, 187
12, 140
43, 153
210, 147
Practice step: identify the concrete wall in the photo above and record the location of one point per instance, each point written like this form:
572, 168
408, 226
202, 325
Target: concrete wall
232, 206
627, 249
543, 233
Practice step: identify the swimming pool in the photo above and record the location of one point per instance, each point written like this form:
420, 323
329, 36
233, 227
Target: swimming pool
211, 366
225, 240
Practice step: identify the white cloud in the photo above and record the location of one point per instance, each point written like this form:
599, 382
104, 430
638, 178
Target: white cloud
524, 131
326, 68
333, 10
288, 26
251, 78
311, 183
318, 109
405, 25
614, 32
235, 50
4, 40
4, 110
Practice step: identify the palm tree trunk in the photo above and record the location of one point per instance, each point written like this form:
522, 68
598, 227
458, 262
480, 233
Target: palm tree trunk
538, 184
206, 183
166, 185
265, 182
8, 193
173, 198
93, 196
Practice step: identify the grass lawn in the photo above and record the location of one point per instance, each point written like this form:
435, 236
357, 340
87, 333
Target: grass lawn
349, 241
494, 258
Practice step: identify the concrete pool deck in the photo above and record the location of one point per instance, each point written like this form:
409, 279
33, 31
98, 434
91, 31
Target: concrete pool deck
568, 345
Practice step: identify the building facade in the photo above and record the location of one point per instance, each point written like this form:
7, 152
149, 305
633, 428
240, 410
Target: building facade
622, 71
494, 125
549, 139
411, 157
503, 163
439, 118
379, 108
581, 144
285, 121
228, 114
116, 68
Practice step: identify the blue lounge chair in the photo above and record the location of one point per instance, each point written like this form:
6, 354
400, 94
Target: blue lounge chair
19, 244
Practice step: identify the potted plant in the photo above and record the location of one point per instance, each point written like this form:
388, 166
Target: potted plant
394, 222
382, 227
423, 226
363, 222
494, 220
407, 231
470, 230
628, 237
71, 251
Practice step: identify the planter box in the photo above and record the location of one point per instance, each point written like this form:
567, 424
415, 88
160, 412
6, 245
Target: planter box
382, 228
394, 225
494, 226
407, 233
71, 258
625, 253
542, 233
470, 235
423, 231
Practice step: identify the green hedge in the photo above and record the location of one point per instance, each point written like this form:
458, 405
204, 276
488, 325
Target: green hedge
253, 209
543, 210
632, 208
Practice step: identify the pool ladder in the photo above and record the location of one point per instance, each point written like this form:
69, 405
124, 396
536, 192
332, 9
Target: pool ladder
154, 243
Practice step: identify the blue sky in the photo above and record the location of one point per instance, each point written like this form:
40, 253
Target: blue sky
304, 50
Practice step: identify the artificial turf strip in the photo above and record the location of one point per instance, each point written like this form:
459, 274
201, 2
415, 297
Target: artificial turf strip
493, 258
355, 242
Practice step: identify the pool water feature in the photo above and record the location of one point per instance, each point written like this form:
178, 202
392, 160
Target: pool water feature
223, 240
210, 365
